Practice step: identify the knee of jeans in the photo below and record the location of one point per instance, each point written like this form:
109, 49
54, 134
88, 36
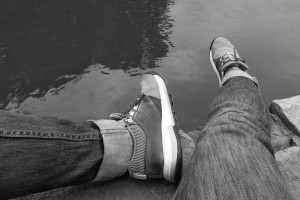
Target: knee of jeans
242, 124
228, 116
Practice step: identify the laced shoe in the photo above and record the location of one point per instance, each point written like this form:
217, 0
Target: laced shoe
152, 124
223, 55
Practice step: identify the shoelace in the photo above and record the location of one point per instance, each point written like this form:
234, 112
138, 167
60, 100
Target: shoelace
127, 109
225, 59
228, 58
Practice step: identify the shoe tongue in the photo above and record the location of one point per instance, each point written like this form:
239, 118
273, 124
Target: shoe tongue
226, 61
234, 66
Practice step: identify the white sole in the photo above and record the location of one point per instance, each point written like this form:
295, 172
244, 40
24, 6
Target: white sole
169, 140
214, 67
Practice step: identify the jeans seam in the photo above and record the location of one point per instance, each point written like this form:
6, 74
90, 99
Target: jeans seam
48, 135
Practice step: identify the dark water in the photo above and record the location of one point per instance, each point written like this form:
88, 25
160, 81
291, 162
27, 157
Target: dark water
83, 59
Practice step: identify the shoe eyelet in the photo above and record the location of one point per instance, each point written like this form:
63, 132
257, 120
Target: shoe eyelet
127, 121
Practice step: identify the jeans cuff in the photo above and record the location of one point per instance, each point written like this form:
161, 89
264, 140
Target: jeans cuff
233, 73
118, 149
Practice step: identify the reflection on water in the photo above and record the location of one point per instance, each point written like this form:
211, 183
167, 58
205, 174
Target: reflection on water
82, 59
45, 44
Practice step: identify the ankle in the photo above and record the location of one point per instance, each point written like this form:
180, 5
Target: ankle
235, 72
118, 143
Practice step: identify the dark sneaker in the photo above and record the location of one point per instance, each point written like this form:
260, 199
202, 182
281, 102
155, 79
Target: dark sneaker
223, 55
151, 121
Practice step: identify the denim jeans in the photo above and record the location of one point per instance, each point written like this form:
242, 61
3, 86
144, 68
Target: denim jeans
233, 158
43, 153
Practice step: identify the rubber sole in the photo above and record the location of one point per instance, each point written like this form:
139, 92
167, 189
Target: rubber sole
170, 136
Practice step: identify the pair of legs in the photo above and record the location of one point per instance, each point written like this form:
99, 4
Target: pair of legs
233, 157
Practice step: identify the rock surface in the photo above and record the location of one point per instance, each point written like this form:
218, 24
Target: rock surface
285, 139
289, 164
288, 110
281, 137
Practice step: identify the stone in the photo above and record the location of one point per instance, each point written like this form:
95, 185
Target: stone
281, 137
288, 161
288, 110
119, 188
296, 141
194, 134
188, 146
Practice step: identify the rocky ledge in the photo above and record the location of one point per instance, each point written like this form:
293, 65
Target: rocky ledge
285, 136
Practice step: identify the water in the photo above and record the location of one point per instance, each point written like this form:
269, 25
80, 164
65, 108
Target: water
84, 59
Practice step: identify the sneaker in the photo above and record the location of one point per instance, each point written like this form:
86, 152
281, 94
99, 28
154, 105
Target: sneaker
223, 55
151, 121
